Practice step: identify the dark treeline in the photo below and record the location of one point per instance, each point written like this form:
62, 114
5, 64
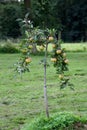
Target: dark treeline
67, 16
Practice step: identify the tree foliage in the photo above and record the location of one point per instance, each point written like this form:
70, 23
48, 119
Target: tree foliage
9, 13
69, 16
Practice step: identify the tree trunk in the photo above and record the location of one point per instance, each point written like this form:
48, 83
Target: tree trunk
45, 86
34, 49
27, 4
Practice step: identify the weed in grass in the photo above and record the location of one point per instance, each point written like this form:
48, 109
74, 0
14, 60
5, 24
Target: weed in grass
59, 121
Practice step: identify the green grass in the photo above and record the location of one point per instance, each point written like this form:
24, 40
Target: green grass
21, 100
76, 47
73, 47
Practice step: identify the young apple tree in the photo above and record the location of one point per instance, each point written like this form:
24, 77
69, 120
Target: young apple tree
36, 36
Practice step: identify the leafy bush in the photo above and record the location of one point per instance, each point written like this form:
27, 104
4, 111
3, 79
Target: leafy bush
60, 121
8, 47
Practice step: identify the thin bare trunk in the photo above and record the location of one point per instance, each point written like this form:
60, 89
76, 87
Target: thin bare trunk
45, 86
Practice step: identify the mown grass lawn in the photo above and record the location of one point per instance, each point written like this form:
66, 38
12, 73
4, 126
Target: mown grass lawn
22, 99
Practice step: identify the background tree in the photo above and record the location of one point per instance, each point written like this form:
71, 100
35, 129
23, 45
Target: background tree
68, 15
27, 4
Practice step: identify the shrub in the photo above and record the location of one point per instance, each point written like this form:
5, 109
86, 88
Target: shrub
8, 47
59, 121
